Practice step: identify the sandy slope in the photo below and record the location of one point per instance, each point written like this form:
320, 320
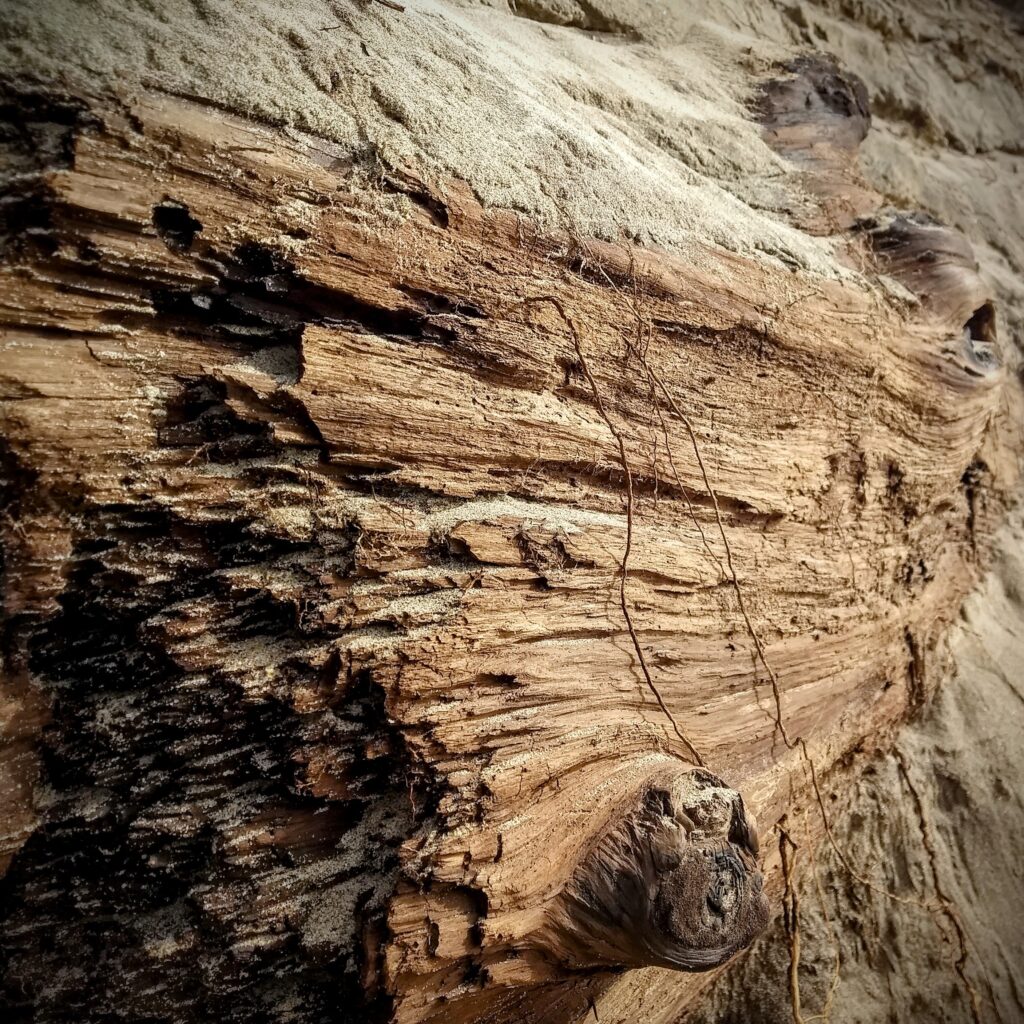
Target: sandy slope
593, 129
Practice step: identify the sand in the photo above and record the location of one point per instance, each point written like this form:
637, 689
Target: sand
619, 118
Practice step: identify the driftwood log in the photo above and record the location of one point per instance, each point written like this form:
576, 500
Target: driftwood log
406, 616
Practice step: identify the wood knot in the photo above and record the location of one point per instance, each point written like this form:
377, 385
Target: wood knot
937, 265
673, 883
816, 112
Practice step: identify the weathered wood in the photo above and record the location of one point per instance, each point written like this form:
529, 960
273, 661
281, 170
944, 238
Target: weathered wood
314, 535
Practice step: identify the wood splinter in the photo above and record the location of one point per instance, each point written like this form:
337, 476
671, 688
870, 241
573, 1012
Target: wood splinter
675, 883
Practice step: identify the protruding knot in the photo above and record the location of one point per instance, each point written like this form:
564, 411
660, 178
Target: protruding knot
937, 264
674, 883
816, 114
817, 111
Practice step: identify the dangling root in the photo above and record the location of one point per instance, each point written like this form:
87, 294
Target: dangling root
826, 1010
946, 904
559, 308
791, 920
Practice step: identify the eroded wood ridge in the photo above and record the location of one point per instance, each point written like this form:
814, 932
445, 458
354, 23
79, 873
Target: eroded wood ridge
312, 552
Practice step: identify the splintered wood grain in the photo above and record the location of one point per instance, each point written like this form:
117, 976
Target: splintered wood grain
393, 372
